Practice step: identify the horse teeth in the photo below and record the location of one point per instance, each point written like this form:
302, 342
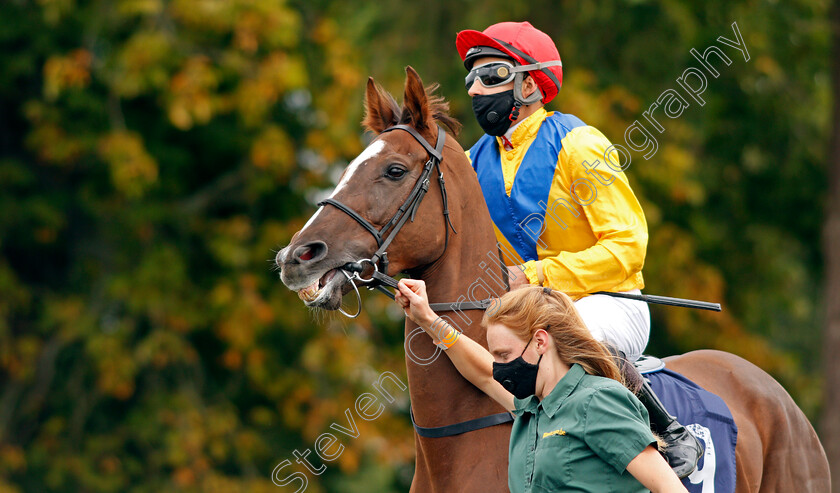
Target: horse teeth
310, 292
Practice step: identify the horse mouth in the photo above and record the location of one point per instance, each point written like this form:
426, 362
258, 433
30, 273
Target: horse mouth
325, 292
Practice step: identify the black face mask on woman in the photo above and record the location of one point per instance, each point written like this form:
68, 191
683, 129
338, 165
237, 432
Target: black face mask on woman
518, 376
493, 111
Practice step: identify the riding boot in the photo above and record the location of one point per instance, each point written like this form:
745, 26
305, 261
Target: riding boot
682, 450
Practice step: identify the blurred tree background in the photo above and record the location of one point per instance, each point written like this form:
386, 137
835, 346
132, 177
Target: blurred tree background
155, 154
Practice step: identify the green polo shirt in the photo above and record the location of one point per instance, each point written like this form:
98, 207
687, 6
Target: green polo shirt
579, 438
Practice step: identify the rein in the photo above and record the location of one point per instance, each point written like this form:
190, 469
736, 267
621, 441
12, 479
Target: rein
379, 262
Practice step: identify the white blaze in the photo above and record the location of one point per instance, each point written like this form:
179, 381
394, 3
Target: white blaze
371, 151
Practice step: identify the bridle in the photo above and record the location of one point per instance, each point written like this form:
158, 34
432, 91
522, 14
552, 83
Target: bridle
379, 262
409, 208
379, 278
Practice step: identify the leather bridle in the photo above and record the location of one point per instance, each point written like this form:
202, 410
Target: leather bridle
409, 208
379, 262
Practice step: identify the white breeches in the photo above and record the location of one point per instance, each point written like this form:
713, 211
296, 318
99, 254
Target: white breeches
621, 322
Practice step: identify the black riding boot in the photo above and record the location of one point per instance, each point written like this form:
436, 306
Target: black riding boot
682, 450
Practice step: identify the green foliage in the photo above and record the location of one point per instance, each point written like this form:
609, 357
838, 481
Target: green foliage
154, 154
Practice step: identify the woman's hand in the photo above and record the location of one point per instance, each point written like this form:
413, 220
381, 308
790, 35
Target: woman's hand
516, 277
411, 296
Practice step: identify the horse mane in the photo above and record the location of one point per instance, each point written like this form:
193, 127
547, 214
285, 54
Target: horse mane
438, 108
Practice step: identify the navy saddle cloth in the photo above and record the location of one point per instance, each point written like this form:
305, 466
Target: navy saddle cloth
706, 416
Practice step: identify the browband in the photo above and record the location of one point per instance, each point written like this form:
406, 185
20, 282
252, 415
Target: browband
436, 152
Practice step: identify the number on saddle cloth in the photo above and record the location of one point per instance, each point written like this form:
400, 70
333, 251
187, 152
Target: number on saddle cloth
706, 416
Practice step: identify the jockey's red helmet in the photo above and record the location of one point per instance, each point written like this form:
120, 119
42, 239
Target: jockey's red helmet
520, 42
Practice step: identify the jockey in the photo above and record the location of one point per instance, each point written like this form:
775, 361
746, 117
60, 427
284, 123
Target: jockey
564, 214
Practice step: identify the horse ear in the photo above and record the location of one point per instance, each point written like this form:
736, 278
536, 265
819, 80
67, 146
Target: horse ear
381, 111
416, 102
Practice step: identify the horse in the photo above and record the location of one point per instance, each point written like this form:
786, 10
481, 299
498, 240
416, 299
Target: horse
448, 241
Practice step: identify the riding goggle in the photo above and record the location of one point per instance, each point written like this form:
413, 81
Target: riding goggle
491, 75
495, 74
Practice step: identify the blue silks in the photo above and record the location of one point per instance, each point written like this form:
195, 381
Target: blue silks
709, 418
532, 184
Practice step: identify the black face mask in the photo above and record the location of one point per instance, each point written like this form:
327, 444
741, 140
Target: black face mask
493, 111
518, 376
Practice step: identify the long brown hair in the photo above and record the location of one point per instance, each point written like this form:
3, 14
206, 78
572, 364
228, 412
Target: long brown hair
528, 309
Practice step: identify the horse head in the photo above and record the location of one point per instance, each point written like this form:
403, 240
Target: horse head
369, 195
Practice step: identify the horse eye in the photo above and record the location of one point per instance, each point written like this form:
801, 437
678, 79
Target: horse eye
395, 172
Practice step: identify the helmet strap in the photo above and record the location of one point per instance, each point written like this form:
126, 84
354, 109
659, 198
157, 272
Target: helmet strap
514, 114
517, 91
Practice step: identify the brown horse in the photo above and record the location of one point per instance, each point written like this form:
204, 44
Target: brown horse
777, 449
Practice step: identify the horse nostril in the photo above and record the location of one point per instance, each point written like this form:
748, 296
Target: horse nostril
311, 251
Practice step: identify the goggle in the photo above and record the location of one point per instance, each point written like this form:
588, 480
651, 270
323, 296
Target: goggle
491, 74
495, 74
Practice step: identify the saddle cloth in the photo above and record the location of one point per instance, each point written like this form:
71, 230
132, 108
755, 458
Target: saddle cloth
707, 417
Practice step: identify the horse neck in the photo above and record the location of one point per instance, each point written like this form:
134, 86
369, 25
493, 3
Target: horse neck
470, 266
469, 270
